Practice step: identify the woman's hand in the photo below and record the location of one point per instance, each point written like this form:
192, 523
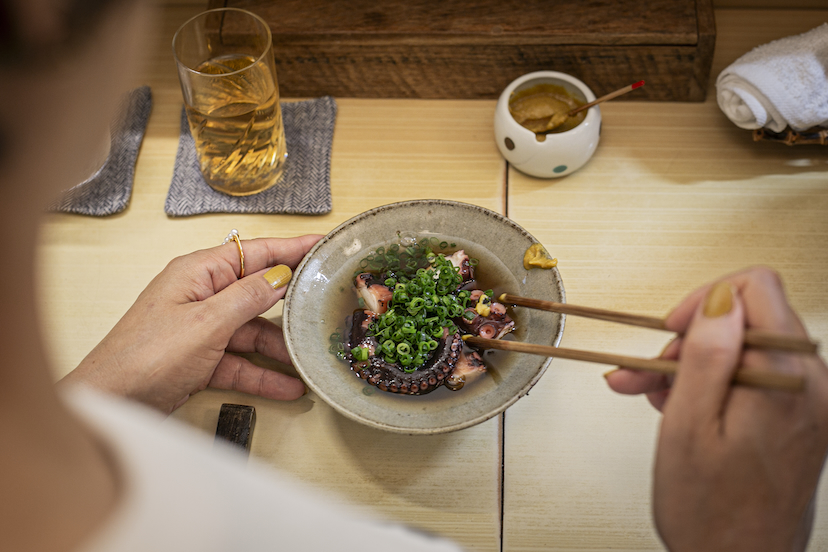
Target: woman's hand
174, 341
736, 468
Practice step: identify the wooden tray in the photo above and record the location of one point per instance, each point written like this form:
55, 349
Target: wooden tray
791, 137
473, 49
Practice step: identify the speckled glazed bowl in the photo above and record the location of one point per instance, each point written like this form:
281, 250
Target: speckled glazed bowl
321, 296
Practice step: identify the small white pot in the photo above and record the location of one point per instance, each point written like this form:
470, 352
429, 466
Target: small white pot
560, 154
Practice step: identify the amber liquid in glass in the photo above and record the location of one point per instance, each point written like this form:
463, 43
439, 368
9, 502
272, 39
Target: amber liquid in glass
237, 126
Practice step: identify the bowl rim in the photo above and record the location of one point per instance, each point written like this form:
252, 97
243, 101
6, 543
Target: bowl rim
286, 317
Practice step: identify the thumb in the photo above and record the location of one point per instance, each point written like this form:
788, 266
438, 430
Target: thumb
709, 356
249, 297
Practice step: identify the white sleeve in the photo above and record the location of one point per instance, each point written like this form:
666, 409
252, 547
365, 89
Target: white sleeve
183, 493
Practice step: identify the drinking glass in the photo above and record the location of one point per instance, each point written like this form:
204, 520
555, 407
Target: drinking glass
228, 78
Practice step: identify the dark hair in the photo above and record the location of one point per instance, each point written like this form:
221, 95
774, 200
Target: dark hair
78, 18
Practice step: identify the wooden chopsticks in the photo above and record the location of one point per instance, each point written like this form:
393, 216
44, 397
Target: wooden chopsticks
753, 338
767, 380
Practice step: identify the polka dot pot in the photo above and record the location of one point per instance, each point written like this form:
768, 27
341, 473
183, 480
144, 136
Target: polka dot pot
558, 154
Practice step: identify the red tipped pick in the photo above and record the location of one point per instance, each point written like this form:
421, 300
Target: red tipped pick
609, 96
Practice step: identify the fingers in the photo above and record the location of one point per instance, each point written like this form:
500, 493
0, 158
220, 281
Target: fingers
242, 301
766, 306
762, 291
680, 317
201, 274
658, 399
262, 253
249, 297
260, 336
636, 382
629, 381
710, 354
238, 374
633, 382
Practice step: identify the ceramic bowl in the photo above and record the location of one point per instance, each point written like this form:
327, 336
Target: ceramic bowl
321, 296
559, 154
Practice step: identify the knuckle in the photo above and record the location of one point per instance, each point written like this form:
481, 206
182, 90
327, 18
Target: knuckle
177, 263
262, 339
201, 258
767, 276
236, 370
254, 295
711, 352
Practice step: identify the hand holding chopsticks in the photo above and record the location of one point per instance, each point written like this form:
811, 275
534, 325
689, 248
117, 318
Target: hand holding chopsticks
722, 450
752, 338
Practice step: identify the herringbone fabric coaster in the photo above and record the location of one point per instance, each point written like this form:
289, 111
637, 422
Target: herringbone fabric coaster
108, 191
304, 187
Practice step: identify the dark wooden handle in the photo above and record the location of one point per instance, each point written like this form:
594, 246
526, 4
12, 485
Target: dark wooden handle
235, 424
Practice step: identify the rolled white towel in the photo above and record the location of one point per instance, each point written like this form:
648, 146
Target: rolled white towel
784, 82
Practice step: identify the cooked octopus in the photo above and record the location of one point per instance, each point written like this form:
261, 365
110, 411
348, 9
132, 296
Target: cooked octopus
447, 364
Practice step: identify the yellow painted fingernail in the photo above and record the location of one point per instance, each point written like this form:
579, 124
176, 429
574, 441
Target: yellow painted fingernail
278, 276
719, 300
610, 372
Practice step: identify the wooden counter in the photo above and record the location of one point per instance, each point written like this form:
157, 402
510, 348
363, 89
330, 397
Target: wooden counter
675, 196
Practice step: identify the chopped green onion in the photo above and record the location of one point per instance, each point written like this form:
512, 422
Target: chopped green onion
360, 353
425, 299
403, 349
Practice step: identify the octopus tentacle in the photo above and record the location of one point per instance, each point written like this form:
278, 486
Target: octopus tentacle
461, 260
374, 292
468, 366
361, 319
433, 374
494, 326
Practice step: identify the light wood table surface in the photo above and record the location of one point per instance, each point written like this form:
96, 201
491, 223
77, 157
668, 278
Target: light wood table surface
674, 197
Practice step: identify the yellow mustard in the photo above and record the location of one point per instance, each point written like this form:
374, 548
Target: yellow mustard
537, 257
483, 307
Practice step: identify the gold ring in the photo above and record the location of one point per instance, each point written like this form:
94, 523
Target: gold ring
234, 236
